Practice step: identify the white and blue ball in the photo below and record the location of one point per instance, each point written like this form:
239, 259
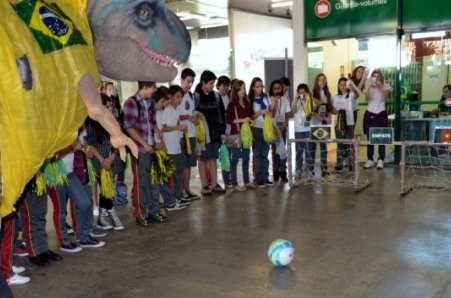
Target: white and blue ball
281, 252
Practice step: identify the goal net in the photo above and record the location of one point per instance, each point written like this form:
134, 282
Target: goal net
330, 162
425, 165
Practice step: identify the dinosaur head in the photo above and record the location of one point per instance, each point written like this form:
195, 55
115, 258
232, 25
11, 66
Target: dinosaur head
138, 40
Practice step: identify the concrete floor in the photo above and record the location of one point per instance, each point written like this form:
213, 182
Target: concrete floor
370, 244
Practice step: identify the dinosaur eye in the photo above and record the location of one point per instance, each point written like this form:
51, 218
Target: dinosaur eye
143, 13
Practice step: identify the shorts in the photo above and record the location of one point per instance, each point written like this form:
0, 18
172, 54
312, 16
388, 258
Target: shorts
190, 161
211, 151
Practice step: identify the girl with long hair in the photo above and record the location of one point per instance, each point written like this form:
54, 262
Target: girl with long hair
322, 115
239, 111
261, 107
302, 109
376, 115
344, 127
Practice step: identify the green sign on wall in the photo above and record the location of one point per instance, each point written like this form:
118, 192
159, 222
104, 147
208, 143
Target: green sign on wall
328, 19
421, 14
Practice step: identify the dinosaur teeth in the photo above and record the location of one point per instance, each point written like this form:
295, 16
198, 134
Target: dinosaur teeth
160, 59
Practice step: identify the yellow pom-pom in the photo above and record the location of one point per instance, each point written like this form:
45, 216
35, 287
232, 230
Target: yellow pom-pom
246, 135
188, 144
107, 184
200, 133
268, 129
40, 183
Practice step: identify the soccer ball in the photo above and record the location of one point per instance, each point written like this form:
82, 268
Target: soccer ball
281, 252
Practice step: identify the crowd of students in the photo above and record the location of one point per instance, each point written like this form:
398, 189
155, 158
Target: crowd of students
168, 119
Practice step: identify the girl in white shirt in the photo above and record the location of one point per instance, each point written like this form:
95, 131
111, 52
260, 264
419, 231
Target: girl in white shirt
261, 107
344, 127
302, 117
281, 109
376, 115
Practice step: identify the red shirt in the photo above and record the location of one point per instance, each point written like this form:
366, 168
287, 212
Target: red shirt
241, 111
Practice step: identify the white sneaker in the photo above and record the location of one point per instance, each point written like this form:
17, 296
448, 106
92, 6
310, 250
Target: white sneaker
17, 279
18, 270
369, 164
380, 164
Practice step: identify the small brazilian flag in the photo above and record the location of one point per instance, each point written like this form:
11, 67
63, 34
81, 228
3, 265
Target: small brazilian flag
52, 29
406, 90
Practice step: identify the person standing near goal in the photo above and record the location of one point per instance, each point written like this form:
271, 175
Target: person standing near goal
344, 126
376, 115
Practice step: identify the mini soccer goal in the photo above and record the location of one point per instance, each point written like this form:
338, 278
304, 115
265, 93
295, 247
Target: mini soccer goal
425, 166
325, 161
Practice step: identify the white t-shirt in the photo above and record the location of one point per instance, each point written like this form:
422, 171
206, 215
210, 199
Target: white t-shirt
376, 103
170, 118
186, 107
69, 158
159, 120
282, 108
300, 117
340, 102
258, 123
225, 100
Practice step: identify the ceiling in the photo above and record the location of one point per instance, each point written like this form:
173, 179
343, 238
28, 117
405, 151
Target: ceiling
198, 14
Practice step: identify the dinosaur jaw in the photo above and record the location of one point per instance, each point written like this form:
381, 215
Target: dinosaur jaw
139, 63
160, 59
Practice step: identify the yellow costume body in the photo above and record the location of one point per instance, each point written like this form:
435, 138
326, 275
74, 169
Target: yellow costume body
41, 118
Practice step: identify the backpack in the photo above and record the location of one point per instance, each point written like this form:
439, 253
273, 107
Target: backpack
120, 198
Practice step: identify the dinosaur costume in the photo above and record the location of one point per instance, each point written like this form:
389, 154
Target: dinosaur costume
50, 73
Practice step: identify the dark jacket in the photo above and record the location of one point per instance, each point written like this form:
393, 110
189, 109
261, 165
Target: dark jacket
214, 112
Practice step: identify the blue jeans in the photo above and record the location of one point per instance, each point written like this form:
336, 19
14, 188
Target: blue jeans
166, 194
370, 152
226, 176
323, 155
279, 165
261, 151
177, 176
344, 150
304, 148
244, 154
75, 191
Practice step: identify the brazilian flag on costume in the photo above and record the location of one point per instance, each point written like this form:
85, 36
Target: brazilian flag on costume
46, 48
50, 26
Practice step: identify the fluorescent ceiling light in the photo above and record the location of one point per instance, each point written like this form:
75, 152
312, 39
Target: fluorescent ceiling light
191, 15
281, 4
428, 34
214, 25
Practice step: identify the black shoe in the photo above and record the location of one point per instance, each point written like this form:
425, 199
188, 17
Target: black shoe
337, 169
156, 218
51, 256
324, 173
283, 177
144, 223
39, 261
276, 176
